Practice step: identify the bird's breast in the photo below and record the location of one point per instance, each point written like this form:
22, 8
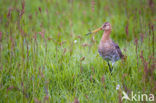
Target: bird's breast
106, 50
105, 45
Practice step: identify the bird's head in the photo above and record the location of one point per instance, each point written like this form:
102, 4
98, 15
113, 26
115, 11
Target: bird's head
106, 27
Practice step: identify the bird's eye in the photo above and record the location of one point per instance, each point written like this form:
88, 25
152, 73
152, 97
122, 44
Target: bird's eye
104, 25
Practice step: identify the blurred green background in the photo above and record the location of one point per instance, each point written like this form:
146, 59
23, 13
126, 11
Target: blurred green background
45, 55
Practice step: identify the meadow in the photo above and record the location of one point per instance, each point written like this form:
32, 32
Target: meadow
45, 55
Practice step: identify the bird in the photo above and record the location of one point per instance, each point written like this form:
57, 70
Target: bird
108, 49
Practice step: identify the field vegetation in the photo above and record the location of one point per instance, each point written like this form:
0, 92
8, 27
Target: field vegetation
45, 55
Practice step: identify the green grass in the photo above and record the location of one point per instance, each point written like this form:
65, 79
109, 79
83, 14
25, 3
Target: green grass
43, 57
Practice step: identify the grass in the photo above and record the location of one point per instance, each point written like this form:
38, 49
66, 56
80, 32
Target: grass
45, 55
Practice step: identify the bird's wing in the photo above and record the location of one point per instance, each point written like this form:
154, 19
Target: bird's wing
116, 46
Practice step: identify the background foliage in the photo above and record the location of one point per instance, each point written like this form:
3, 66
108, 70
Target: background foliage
45, 55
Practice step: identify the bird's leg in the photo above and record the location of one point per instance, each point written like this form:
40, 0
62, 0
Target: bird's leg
110, 69
112, 65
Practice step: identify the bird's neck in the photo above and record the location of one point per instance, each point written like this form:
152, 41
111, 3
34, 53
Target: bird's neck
105, 36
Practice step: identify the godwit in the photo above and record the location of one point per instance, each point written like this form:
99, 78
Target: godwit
107, 49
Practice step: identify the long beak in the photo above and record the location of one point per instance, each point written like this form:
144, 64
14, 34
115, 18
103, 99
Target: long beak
94, 31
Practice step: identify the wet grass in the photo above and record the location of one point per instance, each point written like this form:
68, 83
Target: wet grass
45, 55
